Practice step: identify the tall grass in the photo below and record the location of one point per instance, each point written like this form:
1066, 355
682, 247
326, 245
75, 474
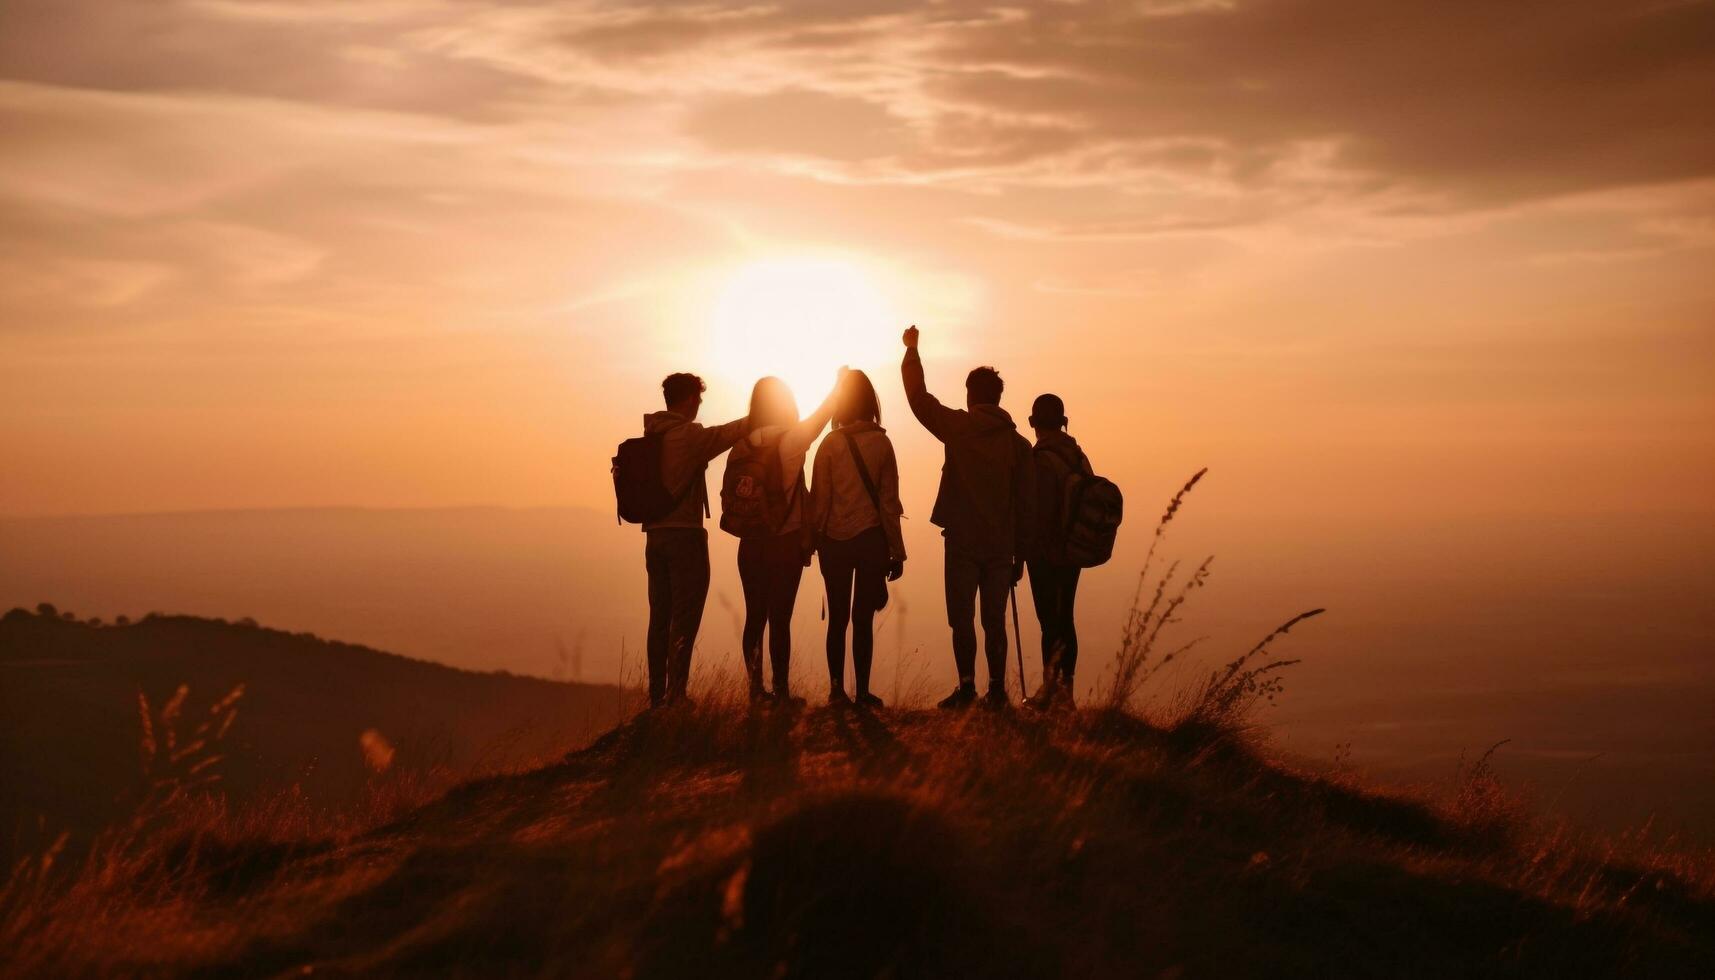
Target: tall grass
1143, 624
1231, 692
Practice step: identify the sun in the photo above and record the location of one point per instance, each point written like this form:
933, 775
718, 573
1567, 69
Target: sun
799, 318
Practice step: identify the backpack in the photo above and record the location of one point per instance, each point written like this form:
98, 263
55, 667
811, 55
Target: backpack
638, 483
753, 502
1091, 508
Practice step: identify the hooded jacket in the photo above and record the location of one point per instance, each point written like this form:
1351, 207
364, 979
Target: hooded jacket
840, 505
686, 449
986, 503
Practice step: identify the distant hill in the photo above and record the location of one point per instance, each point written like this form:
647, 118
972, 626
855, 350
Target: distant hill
71, 746
832, 843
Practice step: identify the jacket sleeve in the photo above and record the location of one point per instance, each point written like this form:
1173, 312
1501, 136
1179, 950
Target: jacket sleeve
1024, 502
798, 438
936, 417
891, 509
707, 442
821, 488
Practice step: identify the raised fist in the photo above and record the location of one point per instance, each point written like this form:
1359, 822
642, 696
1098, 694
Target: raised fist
911, 337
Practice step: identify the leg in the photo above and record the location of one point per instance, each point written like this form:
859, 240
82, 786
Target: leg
784, 573
996, 584
868, 581
870, 594
837, 575
660, 615
690, 591
961, 577
1045, 596
1069, 626
753, 576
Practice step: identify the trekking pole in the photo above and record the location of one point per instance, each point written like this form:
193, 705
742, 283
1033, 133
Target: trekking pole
1018, 641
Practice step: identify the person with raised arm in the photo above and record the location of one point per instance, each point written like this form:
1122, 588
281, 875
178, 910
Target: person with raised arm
763, 505
985, 507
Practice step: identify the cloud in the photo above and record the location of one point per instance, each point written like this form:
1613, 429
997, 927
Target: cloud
827, 126
1466, 104
360, 55
1450, 103
185, 148
1477, 102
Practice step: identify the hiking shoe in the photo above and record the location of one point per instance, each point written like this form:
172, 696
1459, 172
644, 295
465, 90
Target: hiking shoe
996, 700
869, 701
837, 698
1043, 699
960, 699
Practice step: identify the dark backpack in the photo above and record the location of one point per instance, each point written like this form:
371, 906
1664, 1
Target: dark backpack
1091, 508
754, 504
638, 483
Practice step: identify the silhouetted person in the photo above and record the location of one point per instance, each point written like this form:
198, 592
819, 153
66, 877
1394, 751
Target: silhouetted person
1053, 579
855, 509
676, 552
985, 508
763, 503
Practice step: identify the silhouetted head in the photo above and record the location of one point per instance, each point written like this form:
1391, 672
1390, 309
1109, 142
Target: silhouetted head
857, 401
983, 387
771, 403
1048, 414
683, 394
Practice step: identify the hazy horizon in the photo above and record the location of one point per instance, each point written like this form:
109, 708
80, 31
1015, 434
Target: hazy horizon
1597, 673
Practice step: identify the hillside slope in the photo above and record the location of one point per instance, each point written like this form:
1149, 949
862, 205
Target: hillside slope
827, 843
73, 696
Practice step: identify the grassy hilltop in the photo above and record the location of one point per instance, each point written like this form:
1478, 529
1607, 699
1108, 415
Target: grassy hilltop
720, 842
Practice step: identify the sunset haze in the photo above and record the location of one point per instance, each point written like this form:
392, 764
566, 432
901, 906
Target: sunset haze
1426, 285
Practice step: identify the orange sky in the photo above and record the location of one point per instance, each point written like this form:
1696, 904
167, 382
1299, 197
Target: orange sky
1417, 258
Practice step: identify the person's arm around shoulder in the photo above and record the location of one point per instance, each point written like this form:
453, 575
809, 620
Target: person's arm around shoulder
798, 438
892, 510
711, 441
936, 417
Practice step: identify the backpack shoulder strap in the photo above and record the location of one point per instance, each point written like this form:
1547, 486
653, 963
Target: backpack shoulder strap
1080, 464
863, 474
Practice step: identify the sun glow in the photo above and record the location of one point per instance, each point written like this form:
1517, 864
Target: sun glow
800, 318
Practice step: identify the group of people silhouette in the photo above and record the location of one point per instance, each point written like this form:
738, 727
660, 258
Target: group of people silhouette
1005, 507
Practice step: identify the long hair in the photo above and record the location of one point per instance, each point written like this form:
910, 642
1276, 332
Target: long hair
771, 403
858, 402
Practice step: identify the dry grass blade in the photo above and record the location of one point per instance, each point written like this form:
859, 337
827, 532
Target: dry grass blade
1143, 623
1229, 694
